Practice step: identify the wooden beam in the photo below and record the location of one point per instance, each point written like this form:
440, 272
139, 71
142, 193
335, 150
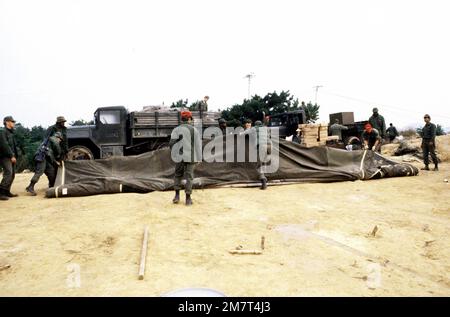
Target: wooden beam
256, 252
143, 254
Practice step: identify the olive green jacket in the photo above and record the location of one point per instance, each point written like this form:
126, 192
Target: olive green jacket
8, 145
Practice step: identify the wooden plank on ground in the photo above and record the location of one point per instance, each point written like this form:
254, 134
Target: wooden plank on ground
143, 254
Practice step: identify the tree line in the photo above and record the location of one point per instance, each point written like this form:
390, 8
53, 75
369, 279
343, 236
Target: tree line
257, 107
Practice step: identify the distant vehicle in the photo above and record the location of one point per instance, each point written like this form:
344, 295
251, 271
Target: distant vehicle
352, 136
117, 132
287, 122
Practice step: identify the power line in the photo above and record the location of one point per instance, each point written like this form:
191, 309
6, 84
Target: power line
383, 105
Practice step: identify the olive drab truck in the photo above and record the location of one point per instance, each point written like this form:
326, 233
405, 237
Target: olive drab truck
117, 132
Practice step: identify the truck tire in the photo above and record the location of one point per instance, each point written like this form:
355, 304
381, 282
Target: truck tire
79, 152
355, 142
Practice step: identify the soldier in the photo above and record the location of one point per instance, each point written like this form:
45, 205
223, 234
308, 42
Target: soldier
223, 125
8, 157
371, 138
191, 154
262, 148
336, 129
46, 160
247, 124
204, 104
60, 127
428, 143
391, 132
378, 123
261, 143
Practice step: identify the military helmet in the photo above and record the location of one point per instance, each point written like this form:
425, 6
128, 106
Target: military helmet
8, 118
258, 123
60, 119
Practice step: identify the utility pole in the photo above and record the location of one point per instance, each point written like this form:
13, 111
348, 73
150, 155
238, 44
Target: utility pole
249, 77
317, 90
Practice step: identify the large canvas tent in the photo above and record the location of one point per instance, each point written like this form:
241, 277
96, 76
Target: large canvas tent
154, 171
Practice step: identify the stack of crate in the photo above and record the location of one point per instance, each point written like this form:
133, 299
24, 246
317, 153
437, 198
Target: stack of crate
313, 134
323, 134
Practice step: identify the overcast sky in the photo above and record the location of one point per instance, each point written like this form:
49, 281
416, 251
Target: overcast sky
68, 57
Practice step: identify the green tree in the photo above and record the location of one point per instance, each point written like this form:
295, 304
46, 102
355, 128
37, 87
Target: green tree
257, 107
195, 105
440, 130
279, 103
81, 122
180, 104
28, 141
311, 111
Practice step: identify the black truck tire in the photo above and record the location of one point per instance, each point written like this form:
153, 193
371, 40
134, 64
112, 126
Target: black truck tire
355, 142
79, 152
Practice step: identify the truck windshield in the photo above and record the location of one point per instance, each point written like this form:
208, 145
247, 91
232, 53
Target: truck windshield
110, 117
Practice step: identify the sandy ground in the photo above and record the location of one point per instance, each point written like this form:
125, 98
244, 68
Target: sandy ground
317, 241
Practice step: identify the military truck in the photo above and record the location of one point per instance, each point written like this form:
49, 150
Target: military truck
287, 122
352, 136
117, 132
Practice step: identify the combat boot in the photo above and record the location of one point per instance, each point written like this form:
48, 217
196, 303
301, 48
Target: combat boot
436, 168
263, 184
176, 199
11, 195
426, 168
30, 189
188, 200
3, 195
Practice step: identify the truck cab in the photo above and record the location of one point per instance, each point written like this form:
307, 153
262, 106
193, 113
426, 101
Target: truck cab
107, 137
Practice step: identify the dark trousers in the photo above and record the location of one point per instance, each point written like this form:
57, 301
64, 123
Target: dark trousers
429, 148
184, 170
9, 174
47, 168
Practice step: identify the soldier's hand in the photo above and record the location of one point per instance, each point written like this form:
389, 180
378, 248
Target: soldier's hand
431, 143
13, 160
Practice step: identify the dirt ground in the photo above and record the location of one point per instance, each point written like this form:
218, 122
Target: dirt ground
317, 241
